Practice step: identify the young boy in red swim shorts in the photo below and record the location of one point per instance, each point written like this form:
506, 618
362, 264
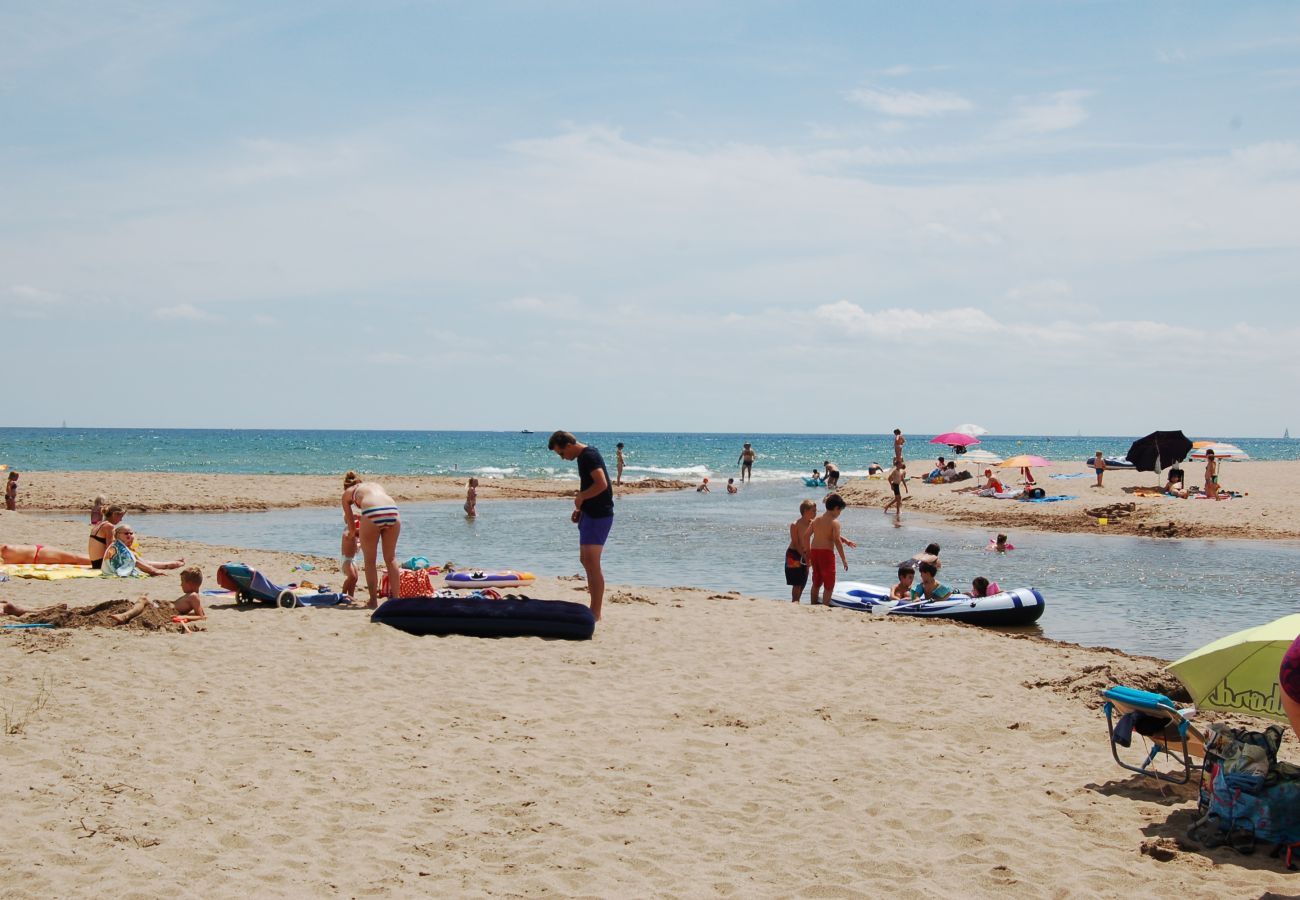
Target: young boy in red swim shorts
826, 540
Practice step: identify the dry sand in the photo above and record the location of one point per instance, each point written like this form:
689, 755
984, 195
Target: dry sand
701, 745
1269, 511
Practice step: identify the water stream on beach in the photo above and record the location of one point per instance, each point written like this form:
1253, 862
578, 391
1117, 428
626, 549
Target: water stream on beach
1141, 595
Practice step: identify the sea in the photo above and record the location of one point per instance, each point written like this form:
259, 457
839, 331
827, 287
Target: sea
1156, 597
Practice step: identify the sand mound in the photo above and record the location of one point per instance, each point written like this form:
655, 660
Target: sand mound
154, 618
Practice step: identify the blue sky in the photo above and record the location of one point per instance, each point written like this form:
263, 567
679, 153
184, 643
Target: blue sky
769, 216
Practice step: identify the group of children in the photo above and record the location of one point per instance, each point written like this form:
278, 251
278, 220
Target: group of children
815, 540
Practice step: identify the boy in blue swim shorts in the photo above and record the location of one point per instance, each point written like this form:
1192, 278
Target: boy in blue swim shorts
593, 509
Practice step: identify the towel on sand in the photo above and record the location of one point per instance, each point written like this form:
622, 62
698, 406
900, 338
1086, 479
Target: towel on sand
49, 571
1047, 499
1072, 475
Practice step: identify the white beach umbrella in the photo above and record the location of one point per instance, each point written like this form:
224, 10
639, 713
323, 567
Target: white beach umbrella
980, 457
1222, 451
971, 429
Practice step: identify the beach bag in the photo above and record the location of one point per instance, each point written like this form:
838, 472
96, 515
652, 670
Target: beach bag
410, 583
1035, 493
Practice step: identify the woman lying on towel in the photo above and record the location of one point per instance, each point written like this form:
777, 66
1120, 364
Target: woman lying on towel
27, 554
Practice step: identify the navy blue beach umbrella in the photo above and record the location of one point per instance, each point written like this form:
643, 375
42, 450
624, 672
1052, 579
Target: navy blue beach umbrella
1159, 450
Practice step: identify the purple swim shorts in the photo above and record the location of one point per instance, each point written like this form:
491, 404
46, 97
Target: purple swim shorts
594, 531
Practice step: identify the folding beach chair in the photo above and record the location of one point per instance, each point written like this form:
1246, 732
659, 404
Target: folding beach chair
1176, 744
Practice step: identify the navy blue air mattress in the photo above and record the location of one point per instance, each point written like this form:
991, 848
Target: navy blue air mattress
480, 617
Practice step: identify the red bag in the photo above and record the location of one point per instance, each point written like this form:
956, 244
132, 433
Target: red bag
410, 583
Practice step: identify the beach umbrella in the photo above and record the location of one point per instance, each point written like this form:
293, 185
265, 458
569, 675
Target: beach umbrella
1238, 673
981, 457
1158, 450
1023, 461
955, 440
1221, 451
971, 429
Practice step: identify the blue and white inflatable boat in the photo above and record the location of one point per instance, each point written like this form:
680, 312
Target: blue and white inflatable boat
1112, 462
1021, 606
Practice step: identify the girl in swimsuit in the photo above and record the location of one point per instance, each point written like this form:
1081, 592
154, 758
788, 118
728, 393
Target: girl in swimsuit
380, 522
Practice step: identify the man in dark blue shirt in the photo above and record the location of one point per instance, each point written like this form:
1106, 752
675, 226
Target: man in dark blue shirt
593, 509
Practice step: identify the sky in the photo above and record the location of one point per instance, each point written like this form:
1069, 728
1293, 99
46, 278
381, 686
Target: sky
1041, 217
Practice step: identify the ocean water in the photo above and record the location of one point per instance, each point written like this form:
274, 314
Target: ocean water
494, 454
1147, 596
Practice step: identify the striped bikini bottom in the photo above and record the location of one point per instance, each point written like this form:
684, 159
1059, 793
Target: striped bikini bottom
380, 516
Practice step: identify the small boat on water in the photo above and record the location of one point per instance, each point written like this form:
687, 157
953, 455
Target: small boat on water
1021, 606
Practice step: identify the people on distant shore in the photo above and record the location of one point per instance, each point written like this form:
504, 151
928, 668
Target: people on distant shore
11, 492
992, 485
703, 487
28, 554
380, 523
832, 474
746, 461
796, 553
593, 509
471, 498
97, 510
897, 480
731, 486
1211, 474
929, 588
618, 449
1099, 464
826, 540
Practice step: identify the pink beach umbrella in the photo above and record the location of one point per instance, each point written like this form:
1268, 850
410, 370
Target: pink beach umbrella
955, 439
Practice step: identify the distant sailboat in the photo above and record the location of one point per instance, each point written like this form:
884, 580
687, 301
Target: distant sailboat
1286, 434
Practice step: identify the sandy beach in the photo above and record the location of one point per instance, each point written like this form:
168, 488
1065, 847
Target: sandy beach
701, 745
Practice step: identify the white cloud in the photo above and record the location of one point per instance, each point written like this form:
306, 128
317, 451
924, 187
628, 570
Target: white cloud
183, 312
909, 104
1056, 112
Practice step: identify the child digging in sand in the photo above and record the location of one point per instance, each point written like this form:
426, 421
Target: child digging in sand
826, 540
188, 605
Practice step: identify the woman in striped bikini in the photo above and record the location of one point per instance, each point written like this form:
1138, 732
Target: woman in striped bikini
380, 521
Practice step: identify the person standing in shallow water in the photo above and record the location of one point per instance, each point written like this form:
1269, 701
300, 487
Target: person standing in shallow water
746, 461
593, 509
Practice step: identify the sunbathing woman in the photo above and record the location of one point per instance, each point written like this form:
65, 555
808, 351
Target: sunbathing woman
101, 535
380, 521
19, 554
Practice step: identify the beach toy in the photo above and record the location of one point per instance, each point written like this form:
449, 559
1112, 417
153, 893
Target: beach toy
1103, 521
484, 617
417, 562
303, 567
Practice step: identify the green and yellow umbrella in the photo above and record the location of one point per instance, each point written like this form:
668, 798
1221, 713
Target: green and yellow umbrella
1238, 673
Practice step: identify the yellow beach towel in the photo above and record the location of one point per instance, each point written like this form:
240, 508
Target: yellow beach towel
48, 571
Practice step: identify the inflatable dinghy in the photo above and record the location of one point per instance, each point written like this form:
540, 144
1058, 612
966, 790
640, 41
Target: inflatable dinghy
476, 578
1021, 606
1112, 462
482, 617
814, 482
